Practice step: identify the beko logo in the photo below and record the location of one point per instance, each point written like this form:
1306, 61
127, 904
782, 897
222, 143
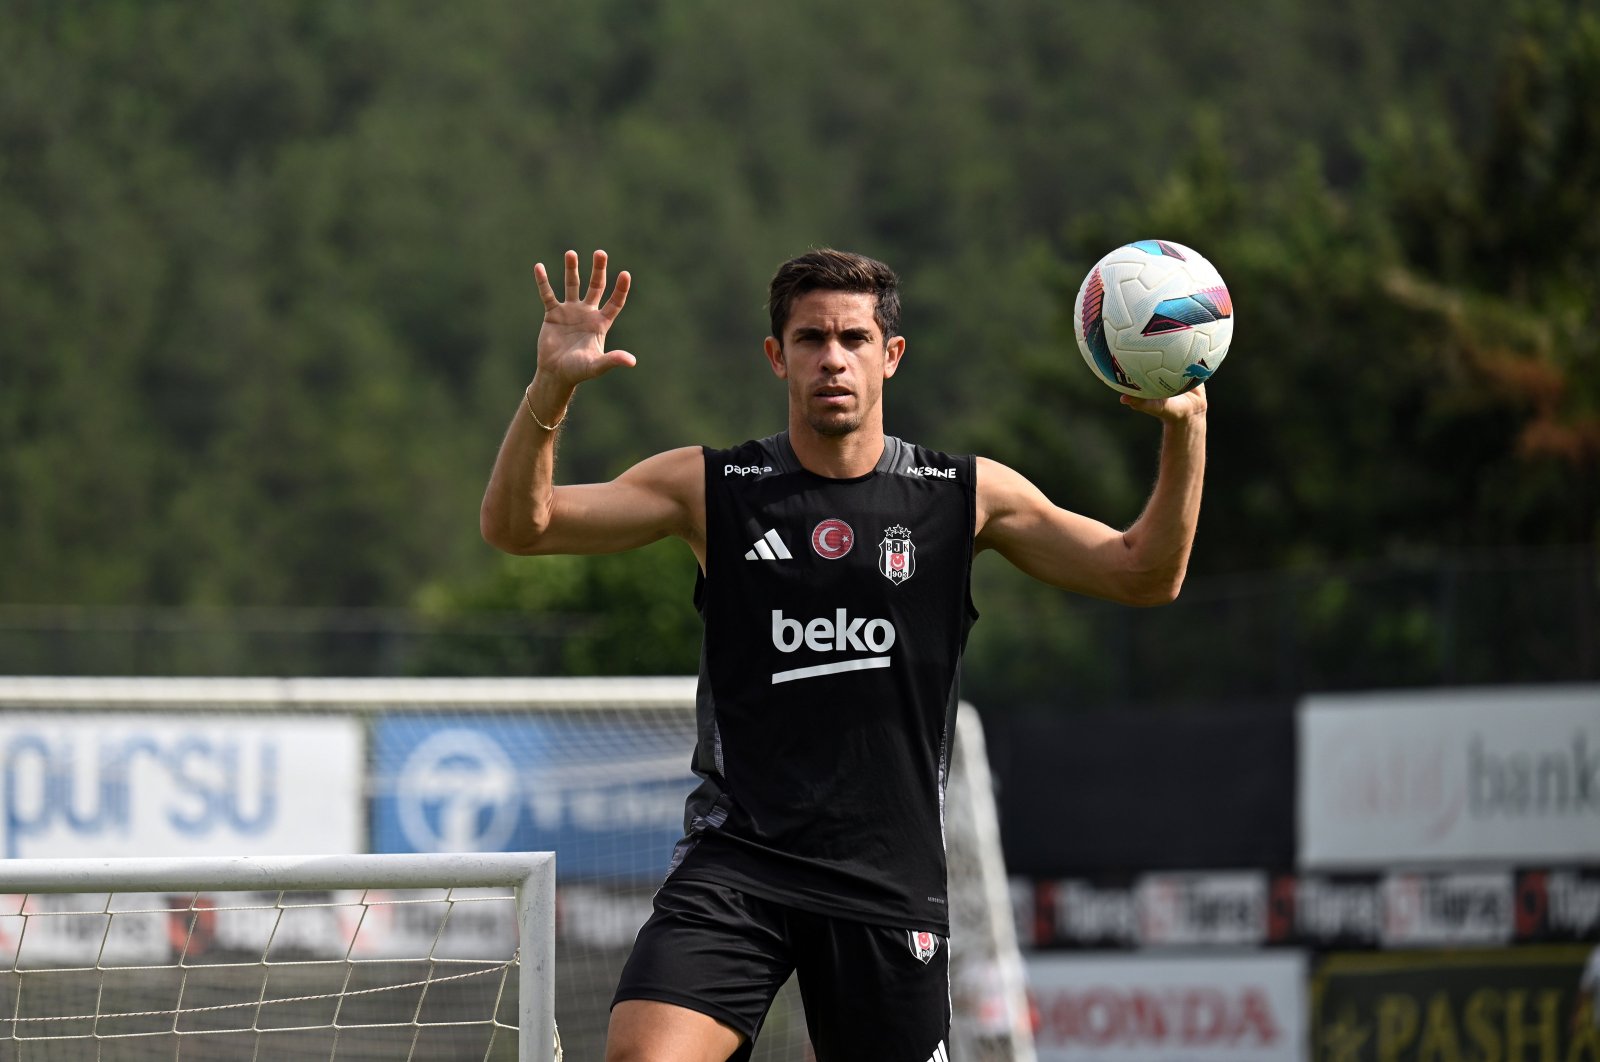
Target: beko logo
840, 634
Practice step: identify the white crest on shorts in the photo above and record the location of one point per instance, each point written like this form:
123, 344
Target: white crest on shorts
924, 945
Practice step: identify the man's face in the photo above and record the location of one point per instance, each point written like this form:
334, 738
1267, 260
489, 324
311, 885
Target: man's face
835, 359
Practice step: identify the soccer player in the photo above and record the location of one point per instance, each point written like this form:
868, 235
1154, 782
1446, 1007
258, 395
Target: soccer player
834, 589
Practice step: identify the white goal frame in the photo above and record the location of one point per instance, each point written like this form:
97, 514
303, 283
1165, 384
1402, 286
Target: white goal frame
531, 874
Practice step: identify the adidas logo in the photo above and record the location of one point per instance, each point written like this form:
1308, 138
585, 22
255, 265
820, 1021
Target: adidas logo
769, 547
939, 1054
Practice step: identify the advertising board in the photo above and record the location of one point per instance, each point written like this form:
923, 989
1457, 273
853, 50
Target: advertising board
608, 798
1508, 775
1558, 905
1322, 912
1453, 1006
1447, 908
1077, 913
1212, 910
1325, 911
1138, 1008
112, 785
138, 929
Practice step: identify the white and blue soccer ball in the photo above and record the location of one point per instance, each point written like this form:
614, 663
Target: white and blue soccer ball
1153, 319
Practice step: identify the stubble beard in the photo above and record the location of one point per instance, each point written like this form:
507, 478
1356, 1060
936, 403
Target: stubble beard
835, 425
829, 423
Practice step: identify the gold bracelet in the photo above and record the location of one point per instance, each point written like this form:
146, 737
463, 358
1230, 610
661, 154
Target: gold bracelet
527, 400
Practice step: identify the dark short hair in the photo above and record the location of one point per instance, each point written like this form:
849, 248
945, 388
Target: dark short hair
825, 269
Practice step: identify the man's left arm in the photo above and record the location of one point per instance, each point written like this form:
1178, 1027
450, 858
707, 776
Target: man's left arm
1142, 565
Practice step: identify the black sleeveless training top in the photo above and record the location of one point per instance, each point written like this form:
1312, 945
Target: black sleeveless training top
836, 612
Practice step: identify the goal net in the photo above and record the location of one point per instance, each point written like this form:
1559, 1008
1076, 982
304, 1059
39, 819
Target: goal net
593, 770
278, 958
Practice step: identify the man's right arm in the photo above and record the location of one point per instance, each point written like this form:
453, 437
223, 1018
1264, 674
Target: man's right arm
660, 496
523, 511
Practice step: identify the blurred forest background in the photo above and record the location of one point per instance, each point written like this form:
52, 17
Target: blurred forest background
266, 308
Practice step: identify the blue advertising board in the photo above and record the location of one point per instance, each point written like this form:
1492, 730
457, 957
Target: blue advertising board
607, 798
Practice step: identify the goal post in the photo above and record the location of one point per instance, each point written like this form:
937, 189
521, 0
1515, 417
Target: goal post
194, 886
991, 1017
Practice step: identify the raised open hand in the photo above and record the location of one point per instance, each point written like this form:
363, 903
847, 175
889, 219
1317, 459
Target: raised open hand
572, 339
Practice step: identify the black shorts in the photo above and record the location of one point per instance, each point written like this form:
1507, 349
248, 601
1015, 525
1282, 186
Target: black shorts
870, 992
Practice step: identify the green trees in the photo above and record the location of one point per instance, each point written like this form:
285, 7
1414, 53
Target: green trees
1413, 384
266, 304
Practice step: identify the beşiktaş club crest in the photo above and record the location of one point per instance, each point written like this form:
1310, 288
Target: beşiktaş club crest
897, 557
924, 945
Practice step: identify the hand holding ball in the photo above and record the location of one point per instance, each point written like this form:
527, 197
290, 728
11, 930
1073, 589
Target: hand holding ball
1153, 319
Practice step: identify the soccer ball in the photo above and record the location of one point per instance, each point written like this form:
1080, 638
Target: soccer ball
1153, 319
